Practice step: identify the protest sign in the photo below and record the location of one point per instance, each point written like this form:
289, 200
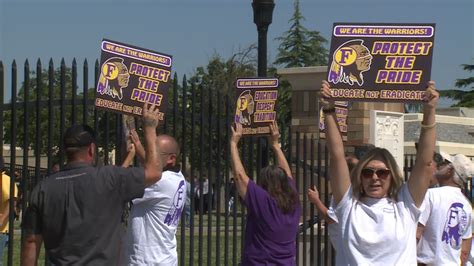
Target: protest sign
255, 104
131, 76
341, 117
380, 62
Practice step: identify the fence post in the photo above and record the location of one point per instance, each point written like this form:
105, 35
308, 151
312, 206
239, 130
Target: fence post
193, 181
74, 92
12, 154
62, 112
85, 89
186, 173
50, 116
39, 91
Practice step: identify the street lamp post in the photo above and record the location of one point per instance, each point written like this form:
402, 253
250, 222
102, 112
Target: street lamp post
262, 17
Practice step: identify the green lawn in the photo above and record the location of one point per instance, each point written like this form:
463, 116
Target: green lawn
213, 256
16, 253
16, 250
196, 240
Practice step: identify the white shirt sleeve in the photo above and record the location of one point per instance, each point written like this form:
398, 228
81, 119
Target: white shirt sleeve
468, 233
344, 205
332, 212
426, 207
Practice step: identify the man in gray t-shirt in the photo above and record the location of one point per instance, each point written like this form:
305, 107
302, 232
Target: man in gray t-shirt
77, 211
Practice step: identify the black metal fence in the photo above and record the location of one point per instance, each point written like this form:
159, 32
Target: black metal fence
47, 102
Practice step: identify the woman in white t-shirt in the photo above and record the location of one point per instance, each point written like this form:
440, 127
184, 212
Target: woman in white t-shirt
377, 212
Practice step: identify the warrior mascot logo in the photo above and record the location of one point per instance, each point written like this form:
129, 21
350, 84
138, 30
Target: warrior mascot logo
349, 61
113, 78
455, 225
244, 108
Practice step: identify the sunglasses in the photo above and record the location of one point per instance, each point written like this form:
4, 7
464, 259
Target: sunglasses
369, 173
439, 160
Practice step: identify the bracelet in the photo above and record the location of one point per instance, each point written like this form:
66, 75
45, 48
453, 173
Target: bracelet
428, 126
329, 110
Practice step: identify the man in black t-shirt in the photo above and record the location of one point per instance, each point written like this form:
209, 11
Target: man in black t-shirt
77, 211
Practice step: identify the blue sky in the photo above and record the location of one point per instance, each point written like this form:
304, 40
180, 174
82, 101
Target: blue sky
193, 30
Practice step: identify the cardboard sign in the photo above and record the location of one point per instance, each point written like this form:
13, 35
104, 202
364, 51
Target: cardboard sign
380, 62
341, 117
129, 76
255, 104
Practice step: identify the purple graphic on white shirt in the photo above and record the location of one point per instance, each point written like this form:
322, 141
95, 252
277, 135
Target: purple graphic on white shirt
172, 218
456, 225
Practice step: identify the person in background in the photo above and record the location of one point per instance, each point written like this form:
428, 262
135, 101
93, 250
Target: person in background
352, 161
5, 207
206, 193
445, 223
273, 206
55, 168
230, 200
187, 204
196, 195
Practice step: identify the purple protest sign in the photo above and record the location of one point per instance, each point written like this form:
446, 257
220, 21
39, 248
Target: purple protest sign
131, 76
255, 104
380, 62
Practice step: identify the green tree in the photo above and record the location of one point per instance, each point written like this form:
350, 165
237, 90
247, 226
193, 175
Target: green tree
283, 109
465, 98
300, 47
43, 113
218, 76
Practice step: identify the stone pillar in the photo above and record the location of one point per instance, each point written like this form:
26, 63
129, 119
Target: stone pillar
387, 131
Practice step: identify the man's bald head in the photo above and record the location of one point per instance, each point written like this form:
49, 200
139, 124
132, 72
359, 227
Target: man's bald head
169, 149
167, 144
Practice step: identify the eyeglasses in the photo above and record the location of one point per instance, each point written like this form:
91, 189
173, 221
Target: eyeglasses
369, 173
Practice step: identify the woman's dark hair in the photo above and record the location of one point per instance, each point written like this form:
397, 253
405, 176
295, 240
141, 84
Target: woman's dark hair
275, 181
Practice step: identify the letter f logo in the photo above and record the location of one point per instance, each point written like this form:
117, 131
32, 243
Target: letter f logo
110, 71
345, 56
243, 103
345, 53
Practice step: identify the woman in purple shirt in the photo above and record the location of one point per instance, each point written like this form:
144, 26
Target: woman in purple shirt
273, 207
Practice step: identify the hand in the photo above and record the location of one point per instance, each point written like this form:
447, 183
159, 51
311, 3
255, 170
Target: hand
325, 97
274, 134
130, 155
313, 194
236, 133
150, 115
135, 139
431, 96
